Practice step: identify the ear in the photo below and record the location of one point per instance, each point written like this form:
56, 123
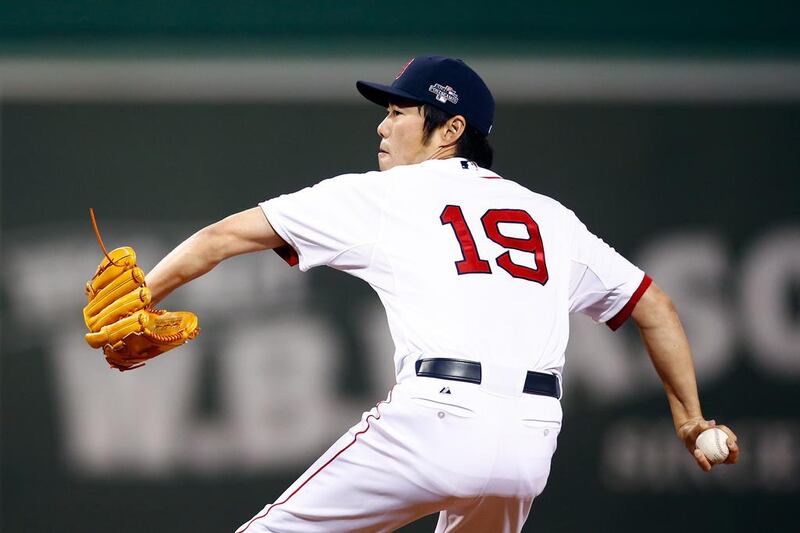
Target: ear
452, 130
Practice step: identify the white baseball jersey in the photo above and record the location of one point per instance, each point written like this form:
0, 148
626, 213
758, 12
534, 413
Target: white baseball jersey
469, 266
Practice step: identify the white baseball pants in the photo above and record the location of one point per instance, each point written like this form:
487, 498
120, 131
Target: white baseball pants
477, 457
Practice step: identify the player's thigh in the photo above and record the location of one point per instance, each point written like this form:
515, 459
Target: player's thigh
362, 483
519, 475
491, 513
533, 449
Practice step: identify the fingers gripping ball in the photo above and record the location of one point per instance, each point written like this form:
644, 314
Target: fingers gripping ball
713, 443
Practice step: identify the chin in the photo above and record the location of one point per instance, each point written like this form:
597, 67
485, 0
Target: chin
384, 163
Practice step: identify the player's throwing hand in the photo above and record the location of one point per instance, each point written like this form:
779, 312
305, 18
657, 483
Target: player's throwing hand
691, 429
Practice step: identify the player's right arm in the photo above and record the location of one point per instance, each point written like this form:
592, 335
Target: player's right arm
241, 233
666, 342
607, 287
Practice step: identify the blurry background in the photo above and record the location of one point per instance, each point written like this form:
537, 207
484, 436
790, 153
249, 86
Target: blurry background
671, 128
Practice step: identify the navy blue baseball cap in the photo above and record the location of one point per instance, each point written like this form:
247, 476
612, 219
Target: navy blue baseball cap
445, 83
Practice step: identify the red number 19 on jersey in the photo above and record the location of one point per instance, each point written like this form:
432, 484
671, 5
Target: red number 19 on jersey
472, 262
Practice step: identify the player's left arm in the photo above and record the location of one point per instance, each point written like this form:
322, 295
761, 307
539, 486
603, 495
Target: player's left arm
665, 341
241, 233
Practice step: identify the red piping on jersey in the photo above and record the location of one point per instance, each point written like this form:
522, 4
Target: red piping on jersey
626, 311
355, 438
288, 254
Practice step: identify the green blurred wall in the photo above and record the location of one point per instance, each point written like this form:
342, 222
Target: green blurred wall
731, 27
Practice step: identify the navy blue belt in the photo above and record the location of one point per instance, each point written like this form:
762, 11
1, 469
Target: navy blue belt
470, 372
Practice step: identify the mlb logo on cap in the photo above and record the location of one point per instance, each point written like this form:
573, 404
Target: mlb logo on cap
445, 83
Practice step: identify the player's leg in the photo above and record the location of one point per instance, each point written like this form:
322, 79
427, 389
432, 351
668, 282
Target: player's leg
505, 505
519, 473
364, 482
491, 513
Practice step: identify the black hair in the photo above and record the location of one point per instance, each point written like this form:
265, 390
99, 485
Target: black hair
472, 144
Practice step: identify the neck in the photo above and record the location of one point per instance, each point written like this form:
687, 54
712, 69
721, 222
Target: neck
443, 152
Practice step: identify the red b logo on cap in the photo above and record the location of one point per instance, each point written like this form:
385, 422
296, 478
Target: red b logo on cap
403, 70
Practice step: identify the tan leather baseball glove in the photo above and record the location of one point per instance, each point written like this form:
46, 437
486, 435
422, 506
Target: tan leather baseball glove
120, 318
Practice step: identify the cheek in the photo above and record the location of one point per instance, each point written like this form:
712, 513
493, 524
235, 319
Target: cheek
405, 136
405, 141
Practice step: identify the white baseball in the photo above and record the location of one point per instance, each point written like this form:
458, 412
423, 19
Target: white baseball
713, 443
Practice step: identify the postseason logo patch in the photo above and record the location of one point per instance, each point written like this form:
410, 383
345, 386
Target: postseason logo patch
444, 93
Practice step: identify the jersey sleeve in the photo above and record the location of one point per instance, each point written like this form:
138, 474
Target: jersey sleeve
334, 223
603, 284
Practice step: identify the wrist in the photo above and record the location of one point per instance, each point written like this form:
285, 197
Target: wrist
687, 425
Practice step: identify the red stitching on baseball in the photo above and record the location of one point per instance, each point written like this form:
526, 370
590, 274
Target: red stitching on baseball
320, 469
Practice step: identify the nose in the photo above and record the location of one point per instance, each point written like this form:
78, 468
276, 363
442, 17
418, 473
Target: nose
383, 128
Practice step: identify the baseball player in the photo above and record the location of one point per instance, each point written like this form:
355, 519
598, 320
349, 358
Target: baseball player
478, 276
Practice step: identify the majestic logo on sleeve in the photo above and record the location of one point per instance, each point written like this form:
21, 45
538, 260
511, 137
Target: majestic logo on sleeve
444, 93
